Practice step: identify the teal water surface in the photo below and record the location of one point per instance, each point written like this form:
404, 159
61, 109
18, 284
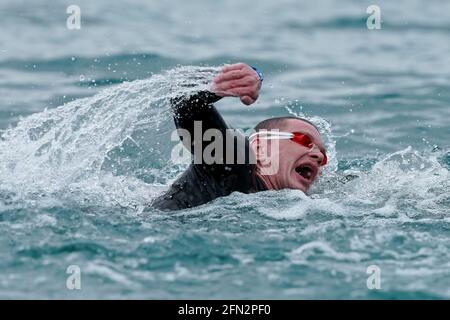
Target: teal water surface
85, 145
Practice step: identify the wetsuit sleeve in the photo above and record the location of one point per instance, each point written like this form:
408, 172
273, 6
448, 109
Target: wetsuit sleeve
204, 181
194, 115
216, 147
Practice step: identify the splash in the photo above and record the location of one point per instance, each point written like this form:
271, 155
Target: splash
325, 129
103, 148
111, 149
403, 185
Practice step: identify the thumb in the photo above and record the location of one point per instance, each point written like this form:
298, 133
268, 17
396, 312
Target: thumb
247, 100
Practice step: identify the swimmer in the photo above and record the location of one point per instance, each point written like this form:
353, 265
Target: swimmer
298, 157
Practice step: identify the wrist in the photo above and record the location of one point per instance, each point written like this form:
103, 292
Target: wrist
259, 73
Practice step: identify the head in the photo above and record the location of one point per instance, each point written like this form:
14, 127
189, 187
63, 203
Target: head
297, 166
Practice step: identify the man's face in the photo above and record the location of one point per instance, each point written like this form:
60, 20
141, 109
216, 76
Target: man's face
298, 166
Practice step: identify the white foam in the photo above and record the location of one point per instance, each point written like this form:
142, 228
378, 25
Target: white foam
80, 150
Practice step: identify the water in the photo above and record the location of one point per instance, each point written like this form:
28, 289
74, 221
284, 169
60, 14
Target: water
85, 145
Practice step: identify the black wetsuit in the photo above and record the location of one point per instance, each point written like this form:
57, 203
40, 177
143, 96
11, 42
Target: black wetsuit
202, 182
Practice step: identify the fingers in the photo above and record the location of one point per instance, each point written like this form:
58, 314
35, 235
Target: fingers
242, 92
237, 80
236, 89
238, 92
242, 82
230, 75
234, 71
236, 66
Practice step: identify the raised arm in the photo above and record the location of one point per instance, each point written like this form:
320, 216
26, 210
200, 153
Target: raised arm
197, 110
196, 114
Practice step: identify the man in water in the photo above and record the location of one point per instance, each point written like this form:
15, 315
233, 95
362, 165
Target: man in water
297, 157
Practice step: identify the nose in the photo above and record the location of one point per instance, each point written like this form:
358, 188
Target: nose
316, 154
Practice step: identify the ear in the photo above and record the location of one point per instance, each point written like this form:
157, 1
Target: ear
259, 148
264, 155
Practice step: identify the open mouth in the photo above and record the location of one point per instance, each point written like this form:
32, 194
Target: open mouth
306, 171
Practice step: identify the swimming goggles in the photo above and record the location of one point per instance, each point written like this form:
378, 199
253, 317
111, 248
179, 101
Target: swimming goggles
301, 138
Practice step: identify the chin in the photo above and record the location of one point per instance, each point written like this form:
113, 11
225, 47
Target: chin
299, 186
299, 183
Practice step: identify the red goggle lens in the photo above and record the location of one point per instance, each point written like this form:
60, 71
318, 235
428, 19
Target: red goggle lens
306, 141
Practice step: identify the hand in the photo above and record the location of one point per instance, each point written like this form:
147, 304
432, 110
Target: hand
237, 80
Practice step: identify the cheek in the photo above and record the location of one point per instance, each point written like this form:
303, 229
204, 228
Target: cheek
287, 162
291, 155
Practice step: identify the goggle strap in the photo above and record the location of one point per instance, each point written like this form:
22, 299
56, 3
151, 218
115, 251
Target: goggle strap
269, 135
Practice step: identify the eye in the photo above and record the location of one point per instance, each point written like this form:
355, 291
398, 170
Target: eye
302, 139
